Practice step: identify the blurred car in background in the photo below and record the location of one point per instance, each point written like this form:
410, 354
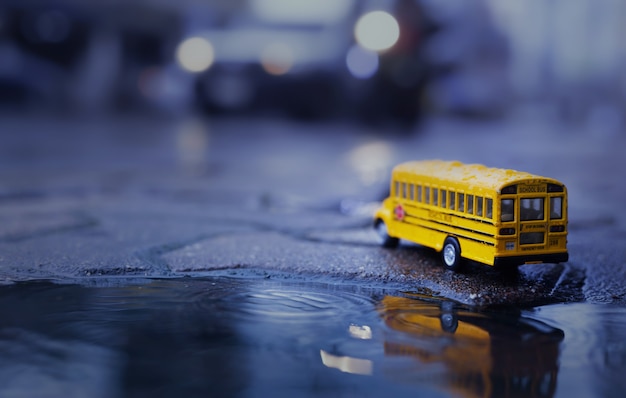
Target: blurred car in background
373, 60
309, 58
271, 54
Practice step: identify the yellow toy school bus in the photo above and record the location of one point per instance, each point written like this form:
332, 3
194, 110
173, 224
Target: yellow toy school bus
494, 216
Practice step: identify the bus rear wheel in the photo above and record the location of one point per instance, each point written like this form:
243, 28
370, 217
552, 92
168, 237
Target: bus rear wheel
451, 254
383, 236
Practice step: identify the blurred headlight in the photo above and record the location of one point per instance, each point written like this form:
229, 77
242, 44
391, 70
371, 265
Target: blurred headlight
195, 54
277, 58
361, 63
377, 31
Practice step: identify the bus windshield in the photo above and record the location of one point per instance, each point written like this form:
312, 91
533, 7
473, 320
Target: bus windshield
531, 209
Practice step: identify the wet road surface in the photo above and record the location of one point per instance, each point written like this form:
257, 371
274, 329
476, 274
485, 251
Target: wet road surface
164, 197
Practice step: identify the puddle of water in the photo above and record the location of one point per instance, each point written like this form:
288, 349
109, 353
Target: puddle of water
256, 337
593, 352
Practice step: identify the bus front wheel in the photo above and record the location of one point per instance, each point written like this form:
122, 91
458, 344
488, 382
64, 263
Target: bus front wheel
383, 236
451, 254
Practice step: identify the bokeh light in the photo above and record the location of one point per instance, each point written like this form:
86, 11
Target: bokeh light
277, 58
192, 144
195, 54
371, 161
361, 63
377, 31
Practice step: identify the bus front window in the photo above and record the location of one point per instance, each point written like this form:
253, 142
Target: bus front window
507, 209
531, 209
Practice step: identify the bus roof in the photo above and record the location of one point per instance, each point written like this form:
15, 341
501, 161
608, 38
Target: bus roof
473, 175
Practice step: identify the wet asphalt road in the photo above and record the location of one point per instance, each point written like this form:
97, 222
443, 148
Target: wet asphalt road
94, 198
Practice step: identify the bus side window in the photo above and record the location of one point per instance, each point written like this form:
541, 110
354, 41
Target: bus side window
556, 208
479, 206
507, 210
435, 197
396, 189
470, 204
419, 193
452, 197
443, 198
427, 195
411, 191
461, 204
489, 207
403, 190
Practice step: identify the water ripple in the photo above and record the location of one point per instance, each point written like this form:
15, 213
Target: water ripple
288, 304
594, 343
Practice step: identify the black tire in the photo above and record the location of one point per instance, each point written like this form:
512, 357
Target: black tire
383, 237
451, 254
449, 322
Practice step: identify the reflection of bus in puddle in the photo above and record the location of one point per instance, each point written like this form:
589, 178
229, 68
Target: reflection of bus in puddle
503, 355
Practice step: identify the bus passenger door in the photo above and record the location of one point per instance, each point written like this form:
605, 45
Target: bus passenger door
532, 224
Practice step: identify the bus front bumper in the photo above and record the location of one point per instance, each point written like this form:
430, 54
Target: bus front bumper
513, 261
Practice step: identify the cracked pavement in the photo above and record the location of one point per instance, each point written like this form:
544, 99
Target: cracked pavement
136, 197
